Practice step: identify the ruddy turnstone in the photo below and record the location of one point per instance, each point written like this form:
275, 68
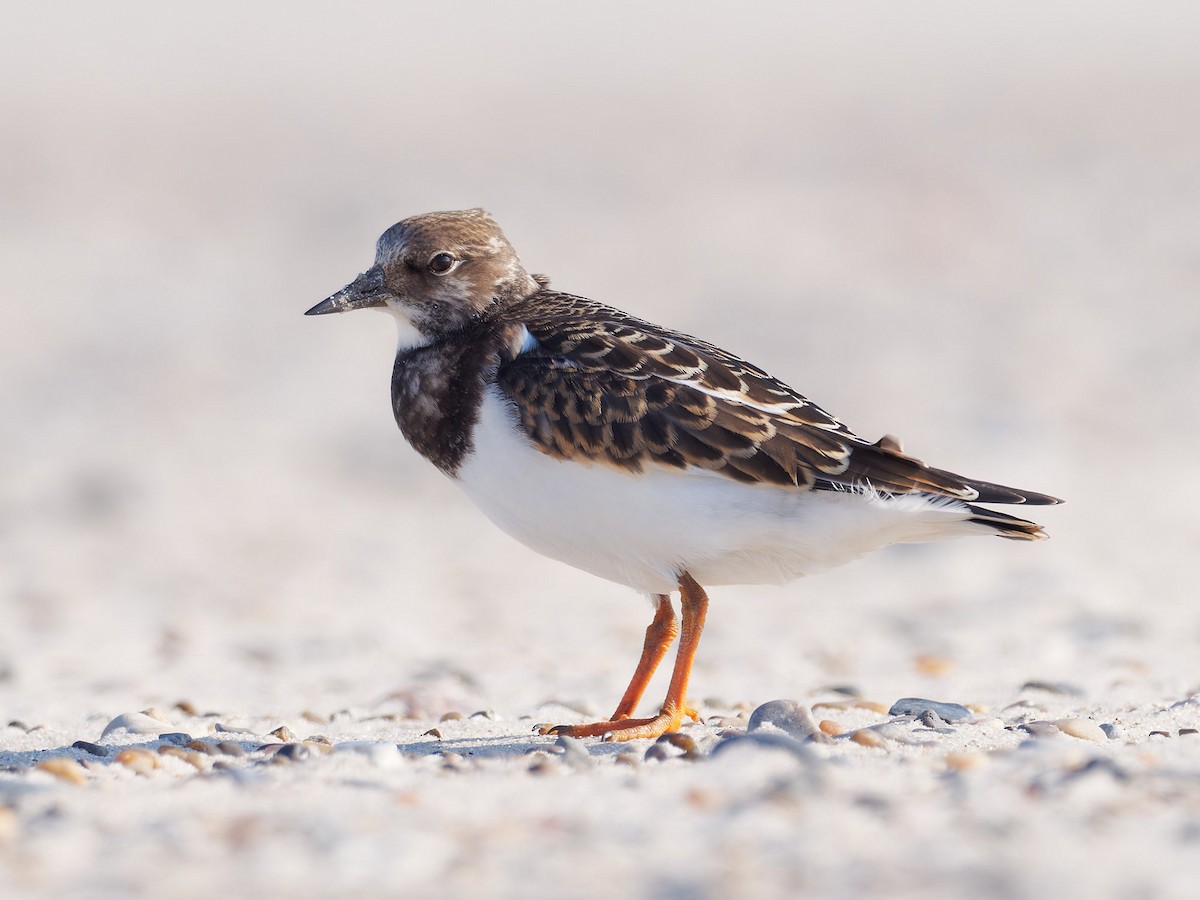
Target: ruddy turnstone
637, 453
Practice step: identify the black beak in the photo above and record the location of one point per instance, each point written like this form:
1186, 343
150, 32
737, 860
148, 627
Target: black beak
365, 291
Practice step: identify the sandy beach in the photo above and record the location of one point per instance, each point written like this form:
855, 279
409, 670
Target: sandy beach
253, 645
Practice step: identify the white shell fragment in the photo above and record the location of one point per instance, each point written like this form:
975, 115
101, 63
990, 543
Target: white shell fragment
135, 723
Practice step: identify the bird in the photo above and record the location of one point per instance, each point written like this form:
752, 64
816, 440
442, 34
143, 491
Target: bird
633, 452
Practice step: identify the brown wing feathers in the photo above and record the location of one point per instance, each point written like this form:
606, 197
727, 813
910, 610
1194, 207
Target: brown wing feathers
607, 387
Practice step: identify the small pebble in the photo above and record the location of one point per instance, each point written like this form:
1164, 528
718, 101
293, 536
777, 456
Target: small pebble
867, 738
318, 739
898, 730
684, 742
628, 758
933, 666
846, 690
141, 761
203, 747
453, 761
433, 732
295, 753
657, 753
450, 717
284, 734
64, 769
574, 752
483, 714
1114, 731
310, 716
88, 747
962, 760
218, 728
134, 723
1165, 734
930, 719
914, 706
1085, 729
540, 763
1184, 731
1054, 687
178, 738
667, 744
229, 748
196, 760
185, 707
1040, 729
789, 717
831, 728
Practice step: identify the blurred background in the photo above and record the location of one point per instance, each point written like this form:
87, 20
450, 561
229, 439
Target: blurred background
976, 228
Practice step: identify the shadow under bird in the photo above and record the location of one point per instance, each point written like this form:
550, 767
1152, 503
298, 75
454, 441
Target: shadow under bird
637, 453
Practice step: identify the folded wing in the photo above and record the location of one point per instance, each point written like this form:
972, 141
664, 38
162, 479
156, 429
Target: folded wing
597, 384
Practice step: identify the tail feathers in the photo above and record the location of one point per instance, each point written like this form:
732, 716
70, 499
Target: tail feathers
886, 467
999, 493
1007, 526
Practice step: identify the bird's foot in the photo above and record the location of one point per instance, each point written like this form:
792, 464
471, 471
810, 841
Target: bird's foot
627, 729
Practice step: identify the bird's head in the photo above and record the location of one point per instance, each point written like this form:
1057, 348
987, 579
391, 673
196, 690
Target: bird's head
435, 273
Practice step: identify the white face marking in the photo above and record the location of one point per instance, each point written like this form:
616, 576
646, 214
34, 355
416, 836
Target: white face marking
408, 337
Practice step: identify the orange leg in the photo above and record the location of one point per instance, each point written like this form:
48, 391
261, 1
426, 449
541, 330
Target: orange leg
660, 634
695, 606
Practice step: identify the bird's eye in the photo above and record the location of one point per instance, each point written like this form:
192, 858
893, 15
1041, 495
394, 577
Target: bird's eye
442, 262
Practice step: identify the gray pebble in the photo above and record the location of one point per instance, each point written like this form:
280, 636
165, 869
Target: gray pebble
1054, 687
788, 717
898, 730
574, 752
229, 729
178, 738
229, 748
88, 747
203, 747
915, 706
1114, 731
295, 752
657, 753
1040, 729
673, 746
1187, 731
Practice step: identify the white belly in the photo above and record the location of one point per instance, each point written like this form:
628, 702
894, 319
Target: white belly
643, 530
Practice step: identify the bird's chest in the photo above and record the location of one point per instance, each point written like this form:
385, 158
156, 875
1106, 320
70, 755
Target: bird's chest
436, 392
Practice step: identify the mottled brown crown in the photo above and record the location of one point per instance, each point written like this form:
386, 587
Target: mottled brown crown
486, 268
